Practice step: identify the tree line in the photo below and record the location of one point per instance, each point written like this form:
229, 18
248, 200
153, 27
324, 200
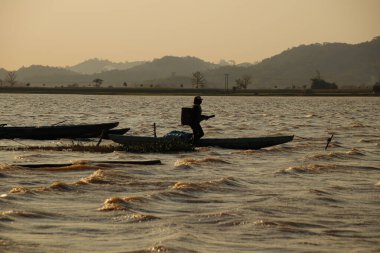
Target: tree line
198, 80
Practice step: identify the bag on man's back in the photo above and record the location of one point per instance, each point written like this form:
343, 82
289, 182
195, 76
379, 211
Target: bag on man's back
187, 115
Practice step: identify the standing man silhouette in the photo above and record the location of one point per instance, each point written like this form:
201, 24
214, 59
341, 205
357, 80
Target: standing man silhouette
197, 117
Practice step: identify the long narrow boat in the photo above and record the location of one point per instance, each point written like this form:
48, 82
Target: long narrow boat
244, 143
57, 132
231, 143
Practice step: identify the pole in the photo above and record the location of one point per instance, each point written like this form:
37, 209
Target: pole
226, 83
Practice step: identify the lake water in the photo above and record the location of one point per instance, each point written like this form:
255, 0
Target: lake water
295, 197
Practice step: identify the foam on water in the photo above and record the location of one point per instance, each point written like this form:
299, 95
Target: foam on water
192, 161
98, 177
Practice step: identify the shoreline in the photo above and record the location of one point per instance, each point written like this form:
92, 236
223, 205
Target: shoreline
187, 92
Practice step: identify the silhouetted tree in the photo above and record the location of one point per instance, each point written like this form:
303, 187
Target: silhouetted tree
125, 84
1, 82
98, 82
322, 84
242, 83
198, 80
376, 87
74, 85
11, 78
318, 83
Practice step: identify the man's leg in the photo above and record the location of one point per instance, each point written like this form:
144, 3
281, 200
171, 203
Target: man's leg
197, 132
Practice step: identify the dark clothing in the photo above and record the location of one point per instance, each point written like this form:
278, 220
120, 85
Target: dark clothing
197, 113
197, 132
196, 124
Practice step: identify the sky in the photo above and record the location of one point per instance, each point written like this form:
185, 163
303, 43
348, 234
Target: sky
67, 32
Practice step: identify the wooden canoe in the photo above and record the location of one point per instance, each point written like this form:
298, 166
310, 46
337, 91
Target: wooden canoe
244, 143
118, 131
56, 132
230, 143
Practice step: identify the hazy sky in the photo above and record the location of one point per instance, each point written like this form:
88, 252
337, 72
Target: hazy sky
66, 32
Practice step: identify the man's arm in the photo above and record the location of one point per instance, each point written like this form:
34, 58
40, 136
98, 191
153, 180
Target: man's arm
205, 117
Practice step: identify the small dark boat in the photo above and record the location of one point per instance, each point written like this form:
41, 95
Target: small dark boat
58, 131
231, 143
119, 131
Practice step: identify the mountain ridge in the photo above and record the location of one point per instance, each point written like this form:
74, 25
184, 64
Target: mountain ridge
345, 64
95, 65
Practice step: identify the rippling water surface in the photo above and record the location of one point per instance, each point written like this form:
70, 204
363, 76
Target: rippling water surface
294, 197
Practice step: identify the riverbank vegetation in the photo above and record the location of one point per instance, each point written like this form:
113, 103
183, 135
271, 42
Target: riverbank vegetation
370, 91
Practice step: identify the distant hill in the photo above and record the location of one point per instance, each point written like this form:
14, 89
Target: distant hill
163, 68
343, 64
96, 65
37, 74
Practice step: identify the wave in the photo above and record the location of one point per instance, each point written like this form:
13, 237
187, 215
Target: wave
344, 233
224, 219
318, 192
118, 204
176, 196
192, 161
212, 185
279, 149
358, 125
246, 152
98, 177
31, 157
310, 116
114, 204
139, 217
266, 223
370, 141
163, 184
3, 196
5, 166
55, 186
332, 155
24, 214
311, 168
162, 248
22, 190
59, 186
319, 168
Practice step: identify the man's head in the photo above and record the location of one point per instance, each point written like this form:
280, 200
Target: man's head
198, 100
